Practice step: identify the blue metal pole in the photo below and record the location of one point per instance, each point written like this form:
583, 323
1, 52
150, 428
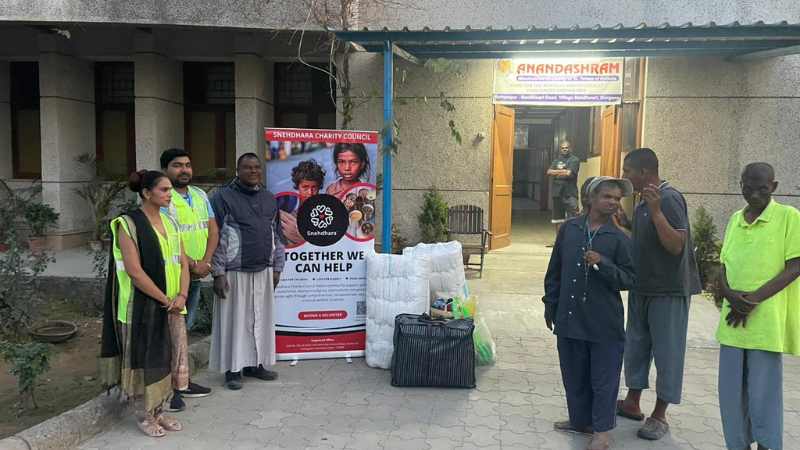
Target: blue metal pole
388, 138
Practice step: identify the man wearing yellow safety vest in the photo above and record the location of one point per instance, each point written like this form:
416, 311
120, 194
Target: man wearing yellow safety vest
192, 211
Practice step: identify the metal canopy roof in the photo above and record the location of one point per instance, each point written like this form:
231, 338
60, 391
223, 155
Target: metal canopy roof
744, 41
734, 39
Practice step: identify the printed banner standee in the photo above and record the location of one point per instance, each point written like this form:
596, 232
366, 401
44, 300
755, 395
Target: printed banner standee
324, 183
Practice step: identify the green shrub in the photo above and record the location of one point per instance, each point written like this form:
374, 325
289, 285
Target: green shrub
433, 219
29, 361
706, 241
19, 269
40, 217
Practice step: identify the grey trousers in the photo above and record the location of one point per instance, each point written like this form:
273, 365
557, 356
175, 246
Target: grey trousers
751, 397
656, 331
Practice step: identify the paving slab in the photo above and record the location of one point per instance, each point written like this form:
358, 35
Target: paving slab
330, 404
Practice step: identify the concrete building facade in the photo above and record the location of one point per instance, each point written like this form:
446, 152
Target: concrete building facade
706, 116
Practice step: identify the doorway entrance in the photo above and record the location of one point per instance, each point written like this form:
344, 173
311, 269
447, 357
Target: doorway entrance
537, 131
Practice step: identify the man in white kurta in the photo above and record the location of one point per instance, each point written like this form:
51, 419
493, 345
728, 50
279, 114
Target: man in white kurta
246, 268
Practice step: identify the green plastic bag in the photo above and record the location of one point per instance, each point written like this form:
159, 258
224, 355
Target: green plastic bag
464, 309
485, 349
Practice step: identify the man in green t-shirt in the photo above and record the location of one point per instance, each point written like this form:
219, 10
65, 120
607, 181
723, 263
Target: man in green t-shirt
760, 314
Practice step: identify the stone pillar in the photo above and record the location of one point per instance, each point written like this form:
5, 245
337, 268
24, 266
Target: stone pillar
254, 96
66, 85
6, 171
158, 87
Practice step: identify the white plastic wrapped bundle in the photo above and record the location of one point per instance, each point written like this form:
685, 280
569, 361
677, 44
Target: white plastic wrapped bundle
396, 284
447, 268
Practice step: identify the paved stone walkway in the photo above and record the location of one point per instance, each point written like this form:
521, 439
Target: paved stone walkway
334, 405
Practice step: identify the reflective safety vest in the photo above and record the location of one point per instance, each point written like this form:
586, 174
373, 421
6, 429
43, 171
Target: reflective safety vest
170, 251
192, 221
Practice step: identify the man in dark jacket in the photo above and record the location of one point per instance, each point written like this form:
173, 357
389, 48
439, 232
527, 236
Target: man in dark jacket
246, 267
591, 263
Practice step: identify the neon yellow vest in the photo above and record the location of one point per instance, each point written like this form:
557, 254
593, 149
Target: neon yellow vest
192, 220
170, 251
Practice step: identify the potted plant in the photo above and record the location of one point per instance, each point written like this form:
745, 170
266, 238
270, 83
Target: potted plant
433, 219
707, 248
39, 217
101, 193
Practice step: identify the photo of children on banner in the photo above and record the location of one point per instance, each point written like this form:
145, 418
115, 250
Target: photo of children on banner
280, 151
352, 167
307, 177
342, 169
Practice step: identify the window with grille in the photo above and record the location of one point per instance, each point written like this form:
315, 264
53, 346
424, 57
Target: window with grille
304, 97
210, 118
114, 81
115, 119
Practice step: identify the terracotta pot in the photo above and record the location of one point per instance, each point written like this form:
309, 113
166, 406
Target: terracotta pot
53, 331
37, 244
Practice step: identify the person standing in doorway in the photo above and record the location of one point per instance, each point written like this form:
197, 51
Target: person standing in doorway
658, 304
564, 171
191, 210
590, 264
247, 266
760, 317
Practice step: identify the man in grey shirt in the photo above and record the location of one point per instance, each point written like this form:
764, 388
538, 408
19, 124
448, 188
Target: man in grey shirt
658, 305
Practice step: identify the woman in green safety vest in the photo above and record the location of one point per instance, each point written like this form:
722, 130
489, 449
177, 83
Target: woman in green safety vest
144, 347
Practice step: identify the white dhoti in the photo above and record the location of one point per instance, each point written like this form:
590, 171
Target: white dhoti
243, 333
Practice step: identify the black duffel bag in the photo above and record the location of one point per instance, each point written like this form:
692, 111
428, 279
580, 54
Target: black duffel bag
430, 352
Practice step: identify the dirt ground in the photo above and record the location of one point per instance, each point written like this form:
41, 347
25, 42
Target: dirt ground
71, 380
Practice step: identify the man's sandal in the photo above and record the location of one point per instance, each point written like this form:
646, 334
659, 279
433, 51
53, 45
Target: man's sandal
653, 429
151, 428
169, 423
628, 415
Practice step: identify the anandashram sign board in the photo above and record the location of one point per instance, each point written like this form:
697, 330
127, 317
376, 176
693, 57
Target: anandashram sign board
324, 184
558, 82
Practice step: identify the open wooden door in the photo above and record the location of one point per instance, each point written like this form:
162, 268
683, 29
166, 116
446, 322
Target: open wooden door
610, 156
502, 169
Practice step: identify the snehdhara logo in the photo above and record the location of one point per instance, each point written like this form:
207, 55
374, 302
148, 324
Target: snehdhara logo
322, 220
321, 216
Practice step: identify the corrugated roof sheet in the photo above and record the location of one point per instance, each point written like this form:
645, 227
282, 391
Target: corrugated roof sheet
641, 39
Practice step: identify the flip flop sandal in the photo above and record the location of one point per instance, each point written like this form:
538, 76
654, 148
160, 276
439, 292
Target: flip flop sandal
169, 423
151, 428
566, 426
653, 429
628, 415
